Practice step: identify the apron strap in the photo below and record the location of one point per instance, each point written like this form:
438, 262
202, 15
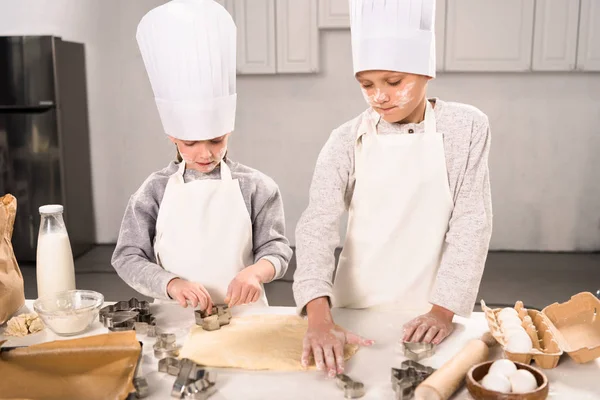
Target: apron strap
225, 171
430, 124
180, 172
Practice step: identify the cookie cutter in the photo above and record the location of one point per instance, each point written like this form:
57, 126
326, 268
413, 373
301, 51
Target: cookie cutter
166, 346
192, 382
140, 383
129, 315
418, 351
220, 315
406, 378
352, 389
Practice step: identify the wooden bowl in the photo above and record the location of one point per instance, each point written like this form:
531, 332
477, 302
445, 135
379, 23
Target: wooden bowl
476, 374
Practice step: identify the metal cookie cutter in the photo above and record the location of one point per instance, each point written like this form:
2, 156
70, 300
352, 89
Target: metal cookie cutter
220, 315
165, 346
129, 315
352, 389
139, 381
406, 378
192, 382
418, 351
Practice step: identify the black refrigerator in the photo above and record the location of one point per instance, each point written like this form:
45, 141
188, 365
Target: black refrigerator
44, 138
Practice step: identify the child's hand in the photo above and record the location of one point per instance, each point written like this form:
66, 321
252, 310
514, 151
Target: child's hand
245, 288
184, 291
432, 327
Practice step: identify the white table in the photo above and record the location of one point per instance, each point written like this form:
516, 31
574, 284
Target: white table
371, 366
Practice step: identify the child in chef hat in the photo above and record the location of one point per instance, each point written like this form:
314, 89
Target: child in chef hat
205, 229
412, 171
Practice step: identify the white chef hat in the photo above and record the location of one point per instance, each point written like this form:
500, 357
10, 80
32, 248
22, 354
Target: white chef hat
393, 35
189, 48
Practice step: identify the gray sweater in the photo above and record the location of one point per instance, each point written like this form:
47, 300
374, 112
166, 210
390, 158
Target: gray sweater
134, 259
466, 134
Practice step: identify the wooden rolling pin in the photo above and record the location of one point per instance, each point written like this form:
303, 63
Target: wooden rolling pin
445, 381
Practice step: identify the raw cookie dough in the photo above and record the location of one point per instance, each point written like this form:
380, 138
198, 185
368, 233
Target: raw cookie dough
23, 325
255, 342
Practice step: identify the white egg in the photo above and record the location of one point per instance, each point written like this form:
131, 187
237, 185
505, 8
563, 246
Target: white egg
496, 382
508, 311
509, 331
522, 381
503, 367
507, 318
511, 323
518, 342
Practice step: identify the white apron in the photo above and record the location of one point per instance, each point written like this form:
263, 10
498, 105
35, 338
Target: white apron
398, 219
204, 232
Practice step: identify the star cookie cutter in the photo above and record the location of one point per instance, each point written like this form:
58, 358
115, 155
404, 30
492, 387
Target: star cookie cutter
220, 315
406, 378
129, 315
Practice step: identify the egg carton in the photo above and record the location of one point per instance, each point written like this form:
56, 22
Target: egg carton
546, 351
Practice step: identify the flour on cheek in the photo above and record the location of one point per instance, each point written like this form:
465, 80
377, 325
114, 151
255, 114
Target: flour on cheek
403, 97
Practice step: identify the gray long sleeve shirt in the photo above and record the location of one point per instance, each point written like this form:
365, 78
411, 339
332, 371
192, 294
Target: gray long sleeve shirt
133, 258
466, 135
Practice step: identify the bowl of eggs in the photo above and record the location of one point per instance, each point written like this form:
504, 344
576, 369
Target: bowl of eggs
506, 380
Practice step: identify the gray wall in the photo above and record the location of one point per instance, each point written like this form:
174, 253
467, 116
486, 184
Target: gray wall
545, 126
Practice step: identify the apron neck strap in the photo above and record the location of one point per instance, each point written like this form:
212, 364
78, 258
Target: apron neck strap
181, 171
225, 171
430, 125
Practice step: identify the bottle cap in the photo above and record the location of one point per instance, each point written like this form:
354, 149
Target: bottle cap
51, 209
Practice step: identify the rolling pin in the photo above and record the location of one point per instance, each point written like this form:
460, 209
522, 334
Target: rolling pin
449, 377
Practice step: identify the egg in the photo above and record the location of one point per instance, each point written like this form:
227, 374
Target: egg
497, 383
508, 311
503, 367
507, 318
518, 342
511, 323
511, 329
522, 381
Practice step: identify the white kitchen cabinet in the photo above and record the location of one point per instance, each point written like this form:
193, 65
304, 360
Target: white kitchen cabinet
255, 21
334, 14
297, 36
489, 35
555, 35
588, 52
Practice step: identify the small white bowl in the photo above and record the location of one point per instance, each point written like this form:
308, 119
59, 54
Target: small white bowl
69, 313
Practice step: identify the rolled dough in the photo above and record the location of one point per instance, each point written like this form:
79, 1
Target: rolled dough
255, 342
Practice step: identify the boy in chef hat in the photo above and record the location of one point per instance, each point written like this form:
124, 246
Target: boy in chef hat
205, 229
413, 173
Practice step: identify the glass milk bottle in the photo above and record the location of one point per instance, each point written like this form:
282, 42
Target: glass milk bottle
55, 267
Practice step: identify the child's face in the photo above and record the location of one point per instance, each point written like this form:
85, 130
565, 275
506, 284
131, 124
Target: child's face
202, 155
394, 95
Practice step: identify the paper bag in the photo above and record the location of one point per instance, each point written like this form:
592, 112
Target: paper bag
93, 367
12, 295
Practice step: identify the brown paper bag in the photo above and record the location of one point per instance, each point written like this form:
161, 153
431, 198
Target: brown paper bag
12, 295
93, 368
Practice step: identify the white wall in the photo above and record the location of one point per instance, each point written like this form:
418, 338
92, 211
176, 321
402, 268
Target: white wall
546, 127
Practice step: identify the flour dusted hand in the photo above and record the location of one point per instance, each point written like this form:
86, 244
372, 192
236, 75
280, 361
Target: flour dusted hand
184, 291
326, 341
433, 327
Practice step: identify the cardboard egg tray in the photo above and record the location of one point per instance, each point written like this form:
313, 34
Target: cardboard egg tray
572, 327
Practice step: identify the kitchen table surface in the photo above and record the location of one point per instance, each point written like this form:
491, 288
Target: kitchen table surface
371, 365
